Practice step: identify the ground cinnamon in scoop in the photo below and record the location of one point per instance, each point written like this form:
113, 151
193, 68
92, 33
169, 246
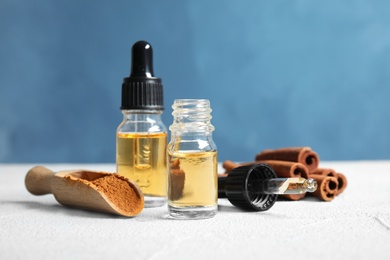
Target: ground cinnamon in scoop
119, 192
117, 189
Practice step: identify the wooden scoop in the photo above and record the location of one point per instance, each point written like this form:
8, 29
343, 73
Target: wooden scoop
97, 191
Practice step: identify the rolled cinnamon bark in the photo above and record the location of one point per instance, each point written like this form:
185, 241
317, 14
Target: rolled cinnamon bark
325, 172
177, 179
285, 169
342, 183
304, 155
229, 166
327, 187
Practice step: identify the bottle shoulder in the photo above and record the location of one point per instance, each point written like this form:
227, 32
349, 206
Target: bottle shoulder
186, 144
146, 126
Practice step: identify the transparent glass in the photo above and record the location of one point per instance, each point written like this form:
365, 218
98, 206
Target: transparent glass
141, 143
193, 161
281, 186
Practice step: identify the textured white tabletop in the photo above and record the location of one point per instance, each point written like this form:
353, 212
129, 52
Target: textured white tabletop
355, 225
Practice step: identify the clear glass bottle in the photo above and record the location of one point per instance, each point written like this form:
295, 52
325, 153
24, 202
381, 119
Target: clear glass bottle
141, 138
141, 153
193, 161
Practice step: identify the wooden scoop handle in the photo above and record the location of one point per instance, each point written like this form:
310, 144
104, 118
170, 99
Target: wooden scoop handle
38, 180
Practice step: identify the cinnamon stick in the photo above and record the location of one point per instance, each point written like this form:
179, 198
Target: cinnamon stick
342, 183
325, 172
176, 179
304, 155
283, 169
327, 187
229, 166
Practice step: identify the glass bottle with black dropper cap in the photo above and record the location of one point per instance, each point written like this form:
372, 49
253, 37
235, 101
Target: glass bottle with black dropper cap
142, 136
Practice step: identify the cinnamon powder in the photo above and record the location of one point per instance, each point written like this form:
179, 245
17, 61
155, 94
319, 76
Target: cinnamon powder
118, 190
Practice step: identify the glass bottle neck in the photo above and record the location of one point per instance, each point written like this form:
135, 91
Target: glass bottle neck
141, 114
142, 111
191, 116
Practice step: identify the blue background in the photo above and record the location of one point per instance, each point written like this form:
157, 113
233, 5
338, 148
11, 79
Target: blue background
277, 73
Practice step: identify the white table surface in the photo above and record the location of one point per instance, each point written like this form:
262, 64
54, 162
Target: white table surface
355, 225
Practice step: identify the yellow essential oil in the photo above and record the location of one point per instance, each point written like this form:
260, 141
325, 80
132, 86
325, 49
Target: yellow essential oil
141, 157
198, 185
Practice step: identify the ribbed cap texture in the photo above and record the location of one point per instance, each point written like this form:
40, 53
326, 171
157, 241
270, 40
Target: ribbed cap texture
142, 94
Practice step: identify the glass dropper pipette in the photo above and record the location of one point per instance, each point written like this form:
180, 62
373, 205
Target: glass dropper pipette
282, 186
256, 187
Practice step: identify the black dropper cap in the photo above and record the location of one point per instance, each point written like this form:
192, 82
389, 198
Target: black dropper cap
237, 187
142, 90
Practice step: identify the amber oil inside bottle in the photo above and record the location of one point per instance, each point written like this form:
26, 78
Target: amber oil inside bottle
141, 157
141, 142
198, 185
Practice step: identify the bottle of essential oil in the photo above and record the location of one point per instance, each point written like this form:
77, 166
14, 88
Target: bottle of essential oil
141, 138
192, 157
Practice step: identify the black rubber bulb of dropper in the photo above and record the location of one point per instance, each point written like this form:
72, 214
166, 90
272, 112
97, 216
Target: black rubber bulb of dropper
142, 90
142, 60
